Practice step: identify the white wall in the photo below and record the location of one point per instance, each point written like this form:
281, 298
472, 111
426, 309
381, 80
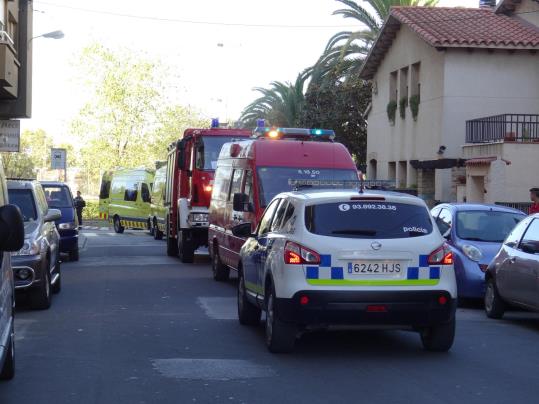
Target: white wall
528, 10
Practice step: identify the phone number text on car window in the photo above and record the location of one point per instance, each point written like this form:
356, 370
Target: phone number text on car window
375, 206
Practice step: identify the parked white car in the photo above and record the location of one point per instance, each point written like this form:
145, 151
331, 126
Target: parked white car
323, 258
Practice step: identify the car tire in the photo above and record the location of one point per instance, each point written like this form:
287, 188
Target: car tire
40, 298
8, 370
157, 234
172, 246
186, 251
439, 338
494, 304
221, 272
280, 336
57, 287
248, 313
74, 254
118, 228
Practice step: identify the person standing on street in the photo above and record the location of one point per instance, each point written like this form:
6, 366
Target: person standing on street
79, 205
534, 196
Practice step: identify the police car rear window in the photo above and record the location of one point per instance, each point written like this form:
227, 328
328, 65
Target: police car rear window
367, 220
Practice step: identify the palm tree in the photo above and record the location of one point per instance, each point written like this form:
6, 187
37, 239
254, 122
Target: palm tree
345, 51
280, 105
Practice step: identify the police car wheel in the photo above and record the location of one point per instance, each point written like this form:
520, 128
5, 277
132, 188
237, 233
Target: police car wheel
494, 304
438, 338
248, 314
118, 228
220, 271
280, 337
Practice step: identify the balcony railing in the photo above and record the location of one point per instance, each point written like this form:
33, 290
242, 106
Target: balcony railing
506, 127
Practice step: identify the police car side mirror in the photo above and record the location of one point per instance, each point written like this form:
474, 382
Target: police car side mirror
240, 202
11, 228
242, 230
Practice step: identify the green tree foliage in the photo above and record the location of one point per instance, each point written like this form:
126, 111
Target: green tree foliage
280, 105
345, 51
35, 153
128, 121
339, 107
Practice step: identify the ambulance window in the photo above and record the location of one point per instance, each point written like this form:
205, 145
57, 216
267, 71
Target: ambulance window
265, 222
145, 193
248, 185
104, 192
276, 225
236, 183
130, 193
222, 182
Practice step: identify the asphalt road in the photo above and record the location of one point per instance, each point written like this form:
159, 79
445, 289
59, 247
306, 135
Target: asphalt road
132, 325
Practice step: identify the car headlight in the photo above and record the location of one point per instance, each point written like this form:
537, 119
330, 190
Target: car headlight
472, 252
199, 217
30, 247
67, 226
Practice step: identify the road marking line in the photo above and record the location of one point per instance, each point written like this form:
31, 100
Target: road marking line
90, 234
211, 369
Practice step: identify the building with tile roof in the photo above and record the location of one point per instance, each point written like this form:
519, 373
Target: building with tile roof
434, 69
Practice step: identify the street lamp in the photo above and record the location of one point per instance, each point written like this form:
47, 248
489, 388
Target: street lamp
58, 34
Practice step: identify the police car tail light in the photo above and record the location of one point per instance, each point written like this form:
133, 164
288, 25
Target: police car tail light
441, 256
295, 254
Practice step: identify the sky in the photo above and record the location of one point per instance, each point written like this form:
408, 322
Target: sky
214, 67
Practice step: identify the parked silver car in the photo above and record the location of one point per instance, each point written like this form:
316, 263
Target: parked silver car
511, 278
36, 266
11, 239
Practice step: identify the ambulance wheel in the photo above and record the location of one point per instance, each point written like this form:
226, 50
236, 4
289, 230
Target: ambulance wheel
280, 336
172, 247
157, 234
438, 338
118, 228
248, 313
186, 251
220, 271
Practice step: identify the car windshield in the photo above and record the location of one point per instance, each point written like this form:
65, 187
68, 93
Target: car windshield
24, 199
488, 225
58, 196
208, 149
274, 180
380, 220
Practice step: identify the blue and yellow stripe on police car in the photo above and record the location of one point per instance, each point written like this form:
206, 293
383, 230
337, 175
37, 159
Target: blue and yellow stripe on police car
327, 275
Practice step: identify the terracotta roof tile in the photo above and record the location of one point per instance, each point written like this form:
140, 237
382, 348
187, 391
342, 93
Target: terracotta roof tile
445, 27
475, 27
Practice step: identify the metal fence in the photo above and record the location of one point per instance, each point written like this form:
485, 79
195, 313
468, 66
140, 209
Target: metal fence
523, 206
507, 127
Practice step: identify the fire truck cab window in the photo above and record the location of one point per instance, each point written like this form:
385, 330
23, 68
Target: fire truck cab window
208, 149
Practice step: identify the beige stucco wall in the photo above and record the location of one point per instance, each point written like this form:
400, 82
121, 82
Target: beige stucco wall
407, 139
456, 86
505, 182
528, 10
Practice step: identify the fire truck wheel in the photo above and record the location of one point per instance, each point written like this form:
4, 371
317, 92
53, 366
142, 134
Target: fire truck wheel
186, 251
118, 228
172, 247
220, 271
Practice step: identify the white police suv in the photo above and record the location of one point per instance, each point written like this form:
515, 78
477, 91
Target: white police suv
323, 258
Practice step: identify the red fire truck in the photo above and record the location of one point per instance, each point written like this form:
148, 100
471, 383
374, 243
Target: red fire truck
190, 169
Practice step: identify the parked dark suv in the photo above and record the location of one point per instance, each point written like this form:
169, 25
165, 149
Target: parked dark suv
11, 239
36, 265
59, 197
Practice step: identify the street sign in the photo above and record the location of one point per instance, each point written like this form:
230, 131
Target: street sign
10, 135
58, 159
